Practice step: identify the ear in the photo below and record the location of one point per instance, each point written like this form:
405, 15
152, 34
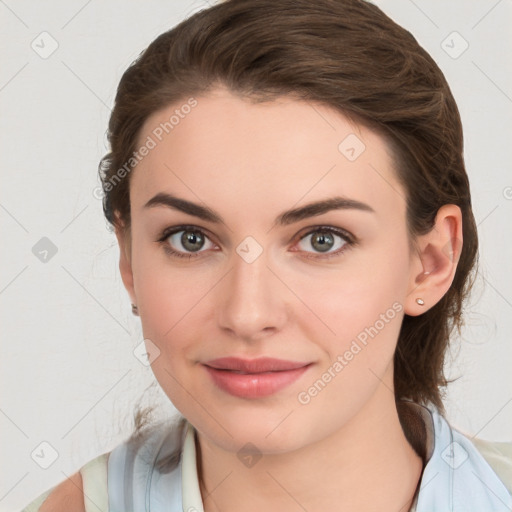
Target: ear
434, 261
123, 236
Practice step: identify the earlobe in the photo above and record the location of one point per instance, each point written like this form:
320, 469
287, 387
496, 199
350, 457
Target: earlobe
435, 262
125, 267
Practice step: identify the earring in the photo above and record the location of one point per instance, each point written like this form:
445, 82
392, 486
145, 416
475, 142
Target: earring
135, 310
419, 301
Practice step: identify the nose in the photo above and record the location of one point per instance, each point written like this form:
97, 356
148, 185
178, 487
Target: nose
252, 301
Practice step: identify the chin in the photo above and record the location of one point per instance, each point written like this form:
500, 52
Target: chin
267, 435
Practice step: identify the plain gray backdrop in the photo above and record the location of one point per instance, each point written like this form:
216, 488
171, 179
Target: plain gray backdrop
69, 377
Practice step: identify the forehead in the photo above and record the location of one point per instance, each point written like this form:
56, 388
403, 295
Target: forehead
230, 152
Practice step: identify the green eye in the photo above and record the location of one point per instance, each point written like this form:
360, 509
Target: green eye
191, 239
323, 239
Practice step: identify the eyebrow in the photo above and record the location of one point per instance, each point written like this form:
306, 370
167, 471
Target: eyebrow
284, 219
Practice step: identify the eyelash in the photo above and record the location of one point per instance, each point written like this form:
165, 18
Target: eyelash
349, 241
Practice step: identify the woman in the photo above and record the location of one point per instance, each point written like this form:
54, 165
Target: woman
287, 187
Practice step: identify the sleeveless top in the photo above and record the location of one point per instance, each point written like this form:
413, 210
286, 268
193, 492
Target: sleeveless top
158, 473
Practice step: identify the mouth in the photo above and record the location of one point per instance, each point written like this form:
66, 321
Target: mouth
254, 378
249, 373
251, 366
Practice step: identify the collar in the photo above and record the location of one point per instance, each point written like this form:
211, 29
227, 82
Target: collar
456, 477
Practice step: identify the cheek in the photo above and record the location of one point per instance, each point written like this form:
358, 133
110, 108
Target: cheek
170, 305
169, 302
162, 292
161, 284
360, 322
358, 306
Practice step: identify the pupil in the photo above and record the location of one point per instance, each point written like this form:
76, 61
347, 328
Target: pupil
324, 240
191, 238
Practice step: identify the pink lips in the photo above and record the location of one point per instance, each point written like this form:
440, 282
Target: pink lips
254, 378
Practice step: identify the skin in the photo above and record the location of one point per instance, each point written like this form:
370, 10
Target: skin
68, 496
345, 449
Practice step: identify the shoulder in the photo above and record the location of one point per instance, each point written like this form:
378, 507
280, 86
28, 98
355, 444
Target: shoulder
68, 496
498, 455
84, 491
87, 490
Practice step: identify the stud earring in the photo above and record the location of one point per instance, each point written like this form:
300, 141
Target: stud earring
135, 310
419, 301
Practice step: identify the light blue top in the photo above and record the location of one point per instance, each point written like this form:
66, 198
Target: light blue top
456, 477
158, 472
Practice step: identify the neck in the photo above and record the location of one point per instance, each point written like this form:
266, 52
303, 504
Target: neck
359, 467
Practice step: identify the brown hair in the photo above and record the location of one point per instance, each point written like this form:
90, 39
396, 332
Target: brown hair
346, 54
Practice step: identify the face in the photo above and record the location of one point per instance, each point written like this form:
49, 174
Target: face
322, 286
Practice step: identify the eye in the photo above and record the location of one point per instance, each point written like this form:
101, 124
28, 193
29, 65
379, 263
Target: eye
189, 242
324, 239
187, 239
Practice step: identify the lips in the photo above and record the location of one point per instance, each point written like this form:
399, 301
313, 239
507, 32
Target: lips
249, 366
255, 378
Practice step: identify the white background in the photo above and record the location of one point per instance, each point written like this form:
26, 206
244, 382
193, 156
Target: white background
69, 376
